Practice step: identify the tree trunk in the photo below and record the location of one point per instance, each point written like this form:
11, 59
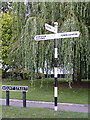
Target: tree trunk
73, 80
79, 72
74, 64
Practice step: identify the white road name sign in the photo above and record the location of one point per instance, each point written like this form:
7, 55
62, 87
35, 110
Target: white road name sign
57, 36
50, 28
14, 88
44, 37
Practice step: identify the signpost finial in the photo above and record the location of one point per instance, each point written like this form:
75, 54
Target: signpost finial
55, 23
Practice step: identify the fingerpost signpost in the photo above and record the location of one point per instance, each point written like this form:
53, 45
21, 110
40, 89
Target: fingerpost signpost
55, 36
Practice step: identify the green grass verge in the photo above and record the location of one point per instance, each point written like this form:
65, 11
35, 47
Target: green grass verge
46, 92
18, 112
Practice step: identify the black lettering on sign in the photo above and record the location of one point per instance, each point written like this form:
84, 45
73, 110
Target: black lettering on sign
14, 88
69, 34
48, 27
40, 37
3, 87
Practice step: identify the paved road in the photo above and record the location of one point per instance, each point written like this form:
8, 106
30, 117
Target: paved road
61, 106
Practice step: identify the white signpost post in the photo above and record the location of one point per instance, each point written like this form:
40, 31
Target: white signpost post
55, 36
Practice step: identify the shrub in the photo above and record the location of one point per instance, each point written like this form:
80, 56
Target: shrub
41, 75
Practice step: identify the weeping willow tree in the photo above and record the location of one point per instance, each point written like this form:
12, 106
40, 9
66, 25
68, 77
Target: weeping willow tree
75, 49
26, 53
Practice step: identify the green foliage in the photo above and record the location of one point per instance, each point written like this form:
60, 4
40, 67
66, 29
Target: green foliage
41, 75
6, 35
5, 6
31, 55
0, 73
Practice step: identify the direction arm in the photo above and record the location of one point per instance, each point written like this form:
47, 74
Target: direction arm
57, 36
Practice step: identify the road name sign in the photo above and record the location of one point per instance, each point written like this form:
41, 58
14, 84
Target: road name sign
44, 37
14, 88
50, 28
57, 36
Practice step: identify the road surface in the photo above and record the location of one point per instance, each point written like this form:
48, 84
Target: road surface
49, 105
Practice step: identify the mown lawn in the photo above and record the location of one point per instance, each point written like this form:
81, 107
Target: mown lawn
46, 92
18, 112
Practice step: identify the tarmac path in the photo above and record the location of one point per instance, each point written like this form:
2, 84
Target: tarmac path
49, 105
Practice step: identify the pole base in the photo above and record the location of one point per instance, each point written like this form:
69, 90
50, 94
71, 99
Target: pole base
55, 108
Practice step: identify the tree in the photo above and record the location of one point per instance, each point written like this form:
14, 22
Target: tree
5, 6
6, 36
33, 55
